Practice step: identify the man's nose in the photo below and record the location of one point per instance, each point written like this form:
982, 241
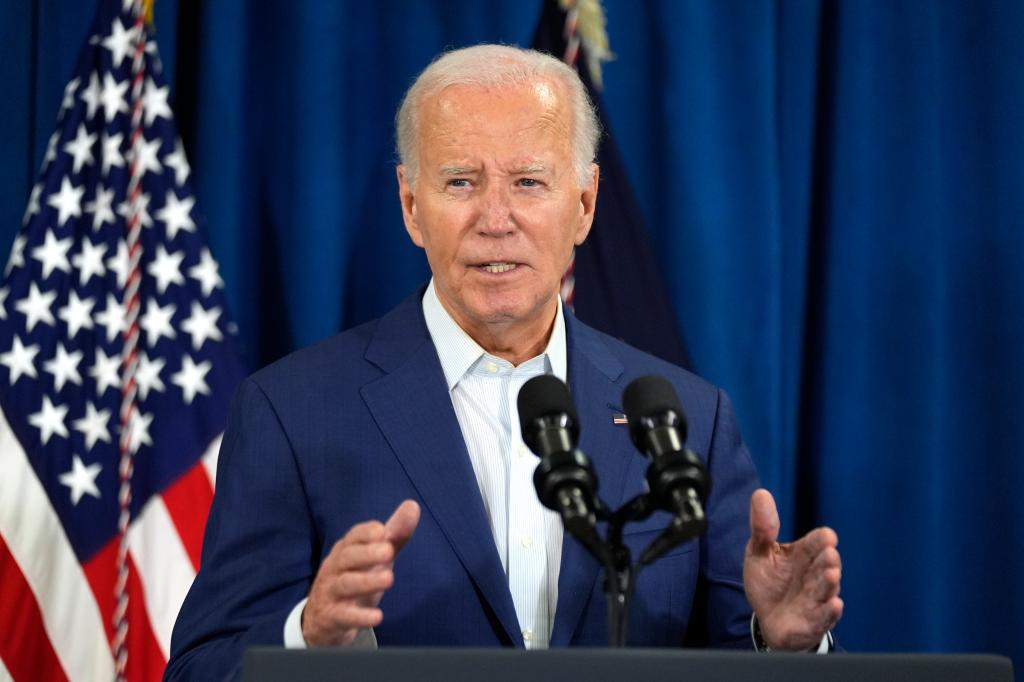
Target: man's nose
496, 212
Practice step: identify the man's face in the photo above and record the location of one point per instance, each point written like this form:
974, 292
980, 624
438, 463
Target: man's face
497, 205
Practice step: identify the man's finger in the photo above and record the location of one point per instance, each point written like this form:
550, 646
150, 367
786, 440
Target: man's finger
367, 531
361, 557
815, 542
402, 524
764, 521
357, 584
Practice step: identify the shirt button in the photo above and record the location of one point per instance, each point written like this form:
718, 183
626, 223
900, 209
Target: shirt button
526, 541
527, 635
491, 367
522, 451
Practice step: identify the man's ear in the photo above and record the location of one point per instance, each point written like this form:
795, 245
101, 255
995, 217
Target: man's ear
407, 197
588, 202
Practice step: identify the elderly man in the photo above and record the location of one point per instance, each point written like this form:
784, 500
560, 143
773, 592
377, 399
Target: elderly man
412, 418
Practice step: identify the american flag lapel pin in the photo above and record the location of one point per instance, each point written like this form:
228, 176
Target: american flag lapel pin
619, 418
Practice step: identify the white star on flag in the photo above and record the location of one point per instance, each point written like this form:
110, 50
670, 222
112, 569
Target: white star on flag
202, 325
112, 97
17, 257
53, 254
77, 314
36, 308
112, 317
80, 148
166, 268
191, 378
20, 360
68, 201
81, 479
49, 420
119, 42
178, 162
101, 207
154, 102
156, 322
175, 214
105, 371
112, 155
147, 376
206, 273
91, 96
93, 426
64, 367
89, 261
118, 263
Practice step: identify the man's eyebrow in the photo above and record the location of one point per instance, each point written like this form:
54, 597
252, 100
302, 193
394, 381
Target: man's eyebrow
530, 169
456, 170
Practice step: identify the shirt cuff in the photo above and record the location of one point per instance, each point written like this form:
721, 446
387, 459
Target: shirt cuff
293, 639
825, 646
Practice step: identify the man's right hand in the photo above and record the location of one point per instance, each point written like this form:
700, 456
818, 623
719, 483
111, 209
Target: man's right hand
353, 578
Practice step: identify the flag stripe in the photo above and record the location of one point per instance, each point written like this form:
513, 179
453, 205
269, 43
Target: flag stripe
188, 501
146, 662
42, 550
23, 640
210, 459
164, 567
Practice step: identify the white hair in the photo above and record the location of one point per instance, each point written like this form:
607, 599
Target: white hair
497, 66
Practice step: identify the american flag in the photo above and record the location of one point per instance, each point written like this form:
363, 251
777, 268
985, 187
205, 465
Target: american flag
63, 334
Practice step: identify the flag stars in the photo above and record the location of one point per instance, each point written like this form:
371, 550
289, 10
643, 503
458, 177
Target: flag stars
154, 102
49, 420
166, 268
177, 161
105, 371
138, 430
52, 254
206, 273
202, 325
156, 322
93, 426
36, 307
101, 207
175, 214
17, 257
67, 201
147, 375
118, 264
112, 154
77, 314
20, 360
64, 367
89, 261
112, 317
191, 378
81, 480
147, 155
33, 203
80, 148
112, 97
119, 42
51, 148
91, 95
124, 210
69, 95
4, 293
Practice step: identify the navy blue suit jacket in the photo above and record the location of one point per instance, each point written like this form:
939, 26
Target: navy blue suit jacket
344, 431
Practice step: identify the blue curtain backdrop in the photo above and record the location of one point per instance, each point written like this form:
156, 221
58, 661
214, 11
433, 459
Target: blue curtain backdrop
835, 190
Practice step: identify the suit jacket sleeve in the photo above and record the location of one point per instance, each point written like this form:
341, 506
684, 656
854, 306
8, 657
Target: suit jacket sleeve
721, 613
259, 551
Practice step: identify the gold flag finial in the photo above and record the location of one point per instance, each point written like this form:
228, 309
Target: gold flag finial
590, 26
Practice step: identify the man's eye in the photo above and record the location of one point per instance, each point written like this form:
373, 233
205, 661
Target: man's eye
458, 182
529, 182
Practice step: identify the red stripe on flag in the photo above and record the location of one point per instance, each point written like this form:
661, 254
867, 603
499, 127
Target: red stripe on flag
188, 502
24, 645
145, 659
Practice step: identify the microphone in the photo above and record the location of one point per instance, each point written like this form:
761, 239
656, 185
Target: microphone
677, 479
564, 479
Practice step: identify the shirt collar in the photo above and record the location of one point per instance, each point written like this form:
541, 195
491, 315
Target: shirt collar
458, 351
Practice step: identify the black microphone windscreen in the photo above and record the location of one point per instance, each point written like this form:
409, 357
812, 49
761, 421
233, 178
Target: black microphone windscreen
647, 396
542, 396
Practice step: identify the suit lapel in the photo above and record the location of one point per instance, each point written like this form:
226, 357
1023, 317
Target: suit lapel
593, 381
413, 410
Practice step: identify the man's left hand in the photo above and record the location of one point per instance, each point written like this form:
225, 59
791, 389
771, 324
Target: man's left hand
793, 588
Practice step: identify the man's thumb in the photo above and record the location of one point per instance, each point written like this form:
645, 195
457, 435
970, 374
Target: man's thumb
764, 521
399, 528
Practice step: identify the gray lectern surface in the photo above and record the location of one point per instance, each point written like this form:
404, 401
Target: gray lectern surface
611, 665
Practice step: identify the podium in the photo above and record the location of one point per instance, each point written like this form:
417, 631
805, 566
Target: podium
613, 665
